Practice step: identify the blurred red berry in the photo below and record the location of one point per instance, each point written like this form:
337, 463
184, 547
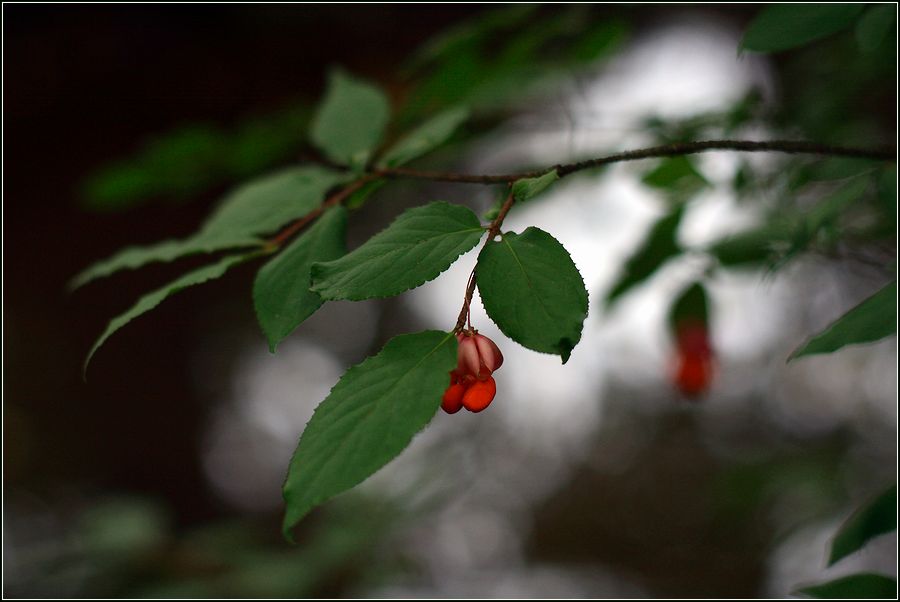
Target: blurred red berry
695, 361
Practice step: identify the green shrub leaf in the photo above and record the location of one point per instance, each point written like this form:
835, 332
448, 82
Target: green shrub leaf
783, 26
676, 175
420, 244
259, 207
877, 517
531, 187
281, 292
860, 586
425, 138
871, 320
151, 300
873, 27
350, 121
659, 246
532, 290
369, 417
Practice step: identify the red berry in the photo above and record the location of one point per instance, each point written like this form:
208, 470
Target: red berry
479, 394
693, 374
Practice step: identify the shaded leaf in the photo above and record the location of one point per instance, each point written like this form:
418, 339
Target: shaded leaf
369, 417
527, 188
118, 186
266, 204
281, 292
359, 197
425, 138
676, 175
532, 290
183, 162
782, 26
420, 244
874, 25
877, 517
871, 320
600, 41
261, 206
151, 300
838, 168
350, 120
659, 246
862, 585
691, 305
887, 191
751, 247
131, 258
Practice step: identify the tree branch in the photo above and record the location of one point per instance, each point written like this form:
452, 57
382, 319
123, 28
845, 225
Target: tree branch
666, 150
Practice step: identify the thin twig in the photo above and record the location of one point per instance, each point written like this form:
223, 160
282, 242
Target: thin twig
666, 150
335, 199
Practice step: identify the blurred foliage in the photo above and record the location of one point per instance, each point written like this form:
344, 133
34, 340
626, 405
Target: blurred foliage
875, 518
129, 547
861, 586
187, 161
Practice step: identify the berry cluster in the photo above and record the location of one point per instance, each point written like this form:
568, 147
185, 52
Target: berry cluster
471, 384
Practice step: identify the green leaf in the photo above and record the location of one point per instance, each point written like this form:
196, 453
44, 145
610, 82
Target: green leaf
659, 246
369, 417
859, 586
281, 292
131, 258
782, 26
691, 304
420, 244
831, 207
751, 246
871, 320
350, 120
527, 188
532, 290
887, 191
151, 300
877, 517
266, 204
117, 186
425, 138
359, 198
676, 175
261, 206
600, 41
838, 168
873, 27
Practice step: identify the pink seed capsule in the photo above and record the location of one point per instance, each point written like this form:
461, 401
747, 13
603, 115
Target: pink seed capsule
488, 352
468, 361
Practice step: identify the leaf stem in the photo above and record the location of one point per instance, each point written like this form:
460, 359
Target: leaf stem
493, 231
